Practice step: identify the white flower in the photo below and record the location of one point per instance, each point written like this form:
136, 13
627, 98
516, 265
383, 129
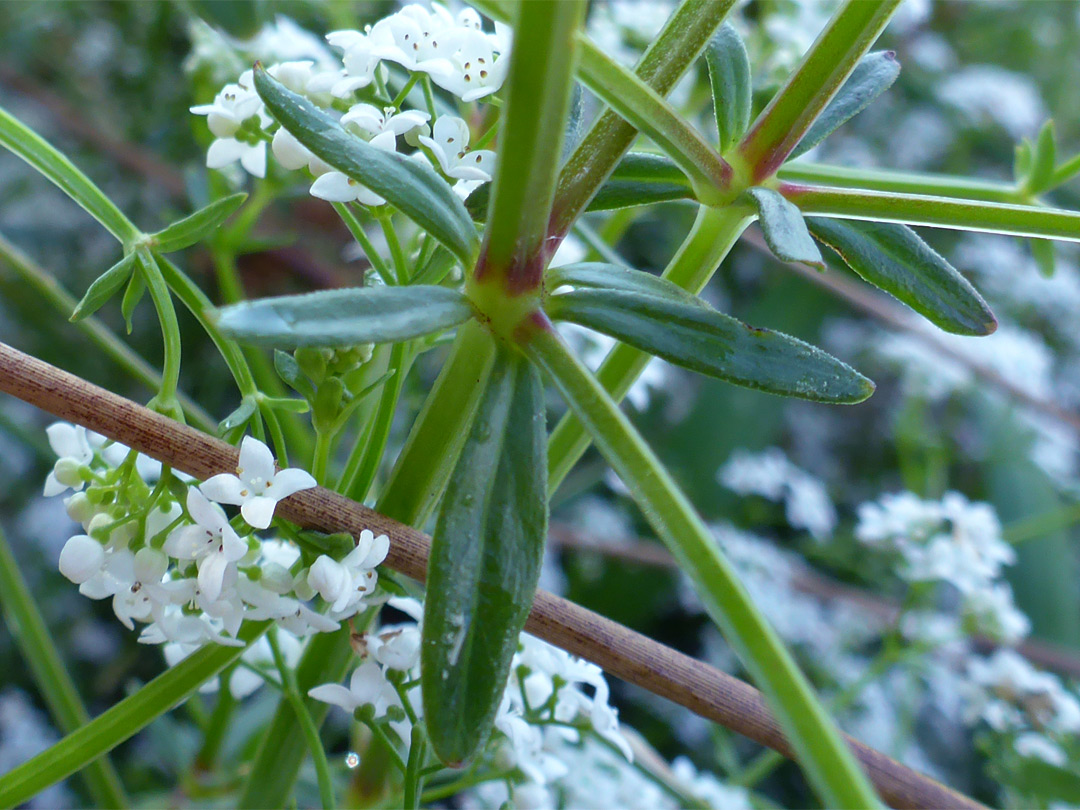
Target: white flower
146, 591
345, 584
334, 186
449, 141
256, 488
81, 558
367, 687
232, 106
73, 452
211, 542
371, 121
476, 71
359, 59
1032, 744
417, 39
173, 625
290, 153
396, 646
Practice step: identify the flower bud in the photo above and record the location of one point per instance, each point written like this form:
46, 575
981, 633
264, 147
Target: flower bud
68, 472
79, 508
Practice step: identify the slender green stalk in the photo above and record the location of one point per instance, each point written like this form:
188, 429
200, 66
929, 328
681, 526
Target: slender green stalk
48, 160
538, 89
824, 68
321, 460
940, 212
307, 725
121, 721
829, 764
31, 634
46, 285
1033, 528
401, 267
170, 329
414, 782
1065, 171
217, 725
361, 237
935, 185
715, 231
434, 443
651, 114
670, 55
357, 480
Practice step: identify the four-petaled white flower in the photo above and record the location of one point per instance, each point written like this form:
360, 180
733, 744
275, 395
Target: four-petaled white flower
72, 448
345, 584
143, 593
257, 487
479, 64
449, 142
211, 542
232, 106
372, 121
367, 686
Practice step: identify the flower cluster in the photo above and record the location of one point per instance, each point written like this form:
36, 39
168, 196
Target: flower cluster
545, 715
453, 53
771, 475
953, 541
1022, 704
167, 555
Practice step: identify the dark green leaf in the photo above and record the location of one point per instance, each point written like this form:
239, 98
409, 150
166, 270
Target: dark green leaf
729, 74
345, 317
893, 258
1035, 777
132, 296
104, 287
874, 74
410, 185
1045, 258
1043, 158
485, 560
238, 417
616, 194
596, 275
289, 370
651, 168
437, 268
784, 228
704, 340
197, 226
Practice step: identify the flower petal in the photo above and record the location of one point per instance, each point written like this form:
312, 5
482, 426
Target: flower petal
211, 575
290, 480
333, 187
223, 488
258, 511
334, 694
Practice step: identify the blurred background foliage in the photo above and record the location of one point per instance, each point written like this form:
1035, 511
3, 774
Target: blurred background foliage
111, 84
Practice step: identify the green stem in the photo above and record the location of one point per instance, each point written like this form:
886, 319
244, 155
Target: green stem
364, 461
307, 725
829, 764
940, 212
48, 160
449, 789
424, 465
401, 266
824, 69
31, 634
714, 232
538, 89
1038, 526
121, 721
170, 329
217, 726
361, 237
321, 460
648, 112
273, 424
1065, 171
413, 778
46, 285
935, 185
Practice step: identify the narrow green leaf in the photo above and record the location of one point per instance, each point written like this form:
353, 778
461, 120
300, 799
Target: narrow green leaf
895, 259
729, 75
596, 275
1022, 156
410, 185
197, 226
784, 228
874, 74
103, 288
345, 317
48, 160
1043, 158
704, 340
485, 560
132, 296
1042, 250
122, 721
238, 417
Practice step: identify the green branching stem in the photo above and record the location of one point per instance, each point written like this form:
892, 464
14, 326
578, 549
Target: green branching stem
824, 68
31, 634
170, 331
934, 185
826, 759
714, 232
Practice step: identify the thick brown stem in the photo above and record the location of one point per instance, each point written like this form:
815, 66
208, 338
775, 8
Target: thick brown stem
620, 651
